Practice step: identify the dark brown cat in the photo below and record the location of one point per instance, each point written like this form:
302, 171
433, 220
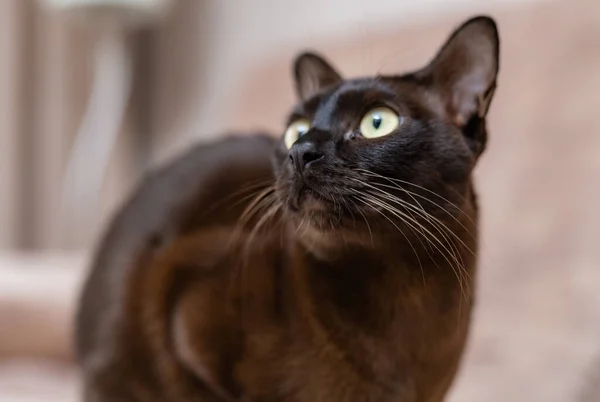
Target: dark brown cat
336, 264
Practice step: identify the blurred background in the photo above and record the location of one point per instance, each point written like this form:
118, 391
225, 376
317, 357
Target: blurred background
89, 101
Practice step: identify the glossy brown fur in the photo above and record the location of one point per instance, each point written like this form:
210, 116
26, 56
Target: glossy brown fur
184, 304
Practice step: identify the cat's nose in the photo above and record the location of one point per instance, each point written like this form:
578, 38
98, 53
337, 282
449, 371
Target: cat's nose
305, 154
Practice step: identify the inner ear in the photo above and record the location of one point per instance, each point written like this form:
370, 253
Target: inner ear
313, 74
464, 71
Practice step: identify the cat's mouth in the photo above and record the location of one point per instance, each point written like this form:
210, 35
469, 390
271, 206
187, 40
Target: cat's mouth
308, 200
312, 202
316, 208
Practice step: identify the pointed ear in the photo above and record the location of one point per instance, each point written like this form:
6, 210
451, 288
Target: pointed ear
465, 69
313, 74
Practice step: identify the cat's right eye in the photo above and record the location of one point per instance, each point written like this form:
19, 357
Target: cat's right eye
295, 130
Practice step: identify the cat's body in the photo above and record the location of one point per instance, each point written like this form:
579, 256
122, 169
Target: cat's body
338, 284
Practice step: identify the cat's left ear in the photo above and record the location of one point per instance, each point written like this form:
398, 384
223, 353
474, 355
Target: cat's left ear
464, 71
313, 74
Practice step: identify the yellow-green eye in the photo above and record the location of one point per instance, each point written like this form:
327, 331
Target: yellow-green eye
295, 130
379, 122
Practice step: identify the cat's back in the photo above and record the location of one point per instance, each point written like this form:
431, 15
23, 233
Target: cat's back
206, 189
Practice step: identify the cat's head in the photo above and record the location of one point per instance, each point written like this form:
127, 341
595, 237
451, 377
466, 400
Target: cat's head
375, 150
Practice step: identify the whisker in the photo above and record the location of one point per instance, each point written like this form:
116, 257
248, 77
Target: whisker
299, 226
253, 186
367, 223
408, 192
273, 208
437, 224
265, 197
250, 209
412, 193
395, 180
442, 229
422, 210
411, 222
365, 200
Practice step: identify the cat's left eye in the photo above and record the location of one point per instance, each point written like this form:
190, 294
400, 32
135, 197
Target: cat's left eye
379, 122
295, 130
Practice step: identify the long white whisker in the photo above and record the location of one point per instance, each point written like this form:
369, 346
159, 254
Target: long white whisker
437, 224
366, 201
368, 226
411, 222
395, 180
421, 209
412, 193
440, 227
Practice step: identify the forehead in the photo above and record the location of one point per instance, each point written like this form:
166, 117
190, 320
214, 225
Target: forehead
358, 95
347, 94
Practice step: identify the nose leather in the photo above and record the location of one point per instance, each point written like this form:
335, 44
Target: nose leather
306, 154
310, 149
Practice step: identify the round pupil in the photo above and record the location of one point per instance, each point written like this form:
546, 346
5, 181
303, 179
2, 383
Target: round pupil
377, 121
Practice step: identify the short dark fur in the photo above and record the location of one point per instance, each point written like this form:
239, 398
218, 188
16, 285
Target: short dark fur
327, 295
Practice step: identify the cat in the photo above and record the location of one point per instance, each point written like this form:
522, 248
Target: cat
335, 263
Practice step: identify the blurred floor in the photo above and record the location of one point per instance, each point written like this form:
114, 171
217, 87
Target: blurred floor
37, 381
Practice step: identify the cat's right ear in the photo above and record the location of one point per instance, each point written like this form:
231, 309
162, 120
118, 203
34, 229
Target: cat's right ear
463, 77
312, 74
464, 71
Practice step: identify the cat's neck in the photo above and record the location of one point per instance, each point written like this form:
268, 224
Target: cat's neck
380, 298
369, 279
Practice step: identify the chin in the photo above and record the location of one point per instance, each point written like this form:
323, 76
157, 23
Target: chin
323, 212
323, 226
310, 207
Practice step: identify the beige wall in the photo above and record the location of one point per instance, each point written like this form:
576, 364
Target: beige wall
9, 110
